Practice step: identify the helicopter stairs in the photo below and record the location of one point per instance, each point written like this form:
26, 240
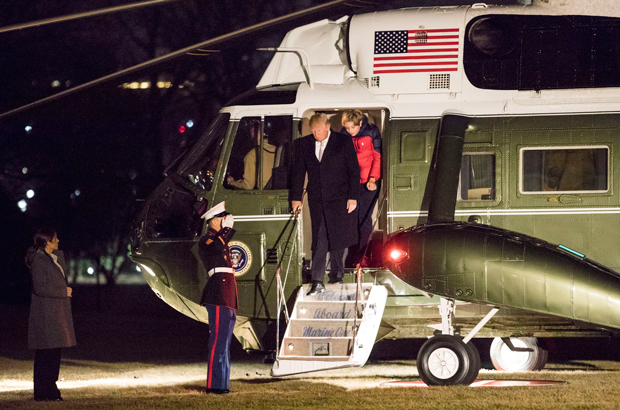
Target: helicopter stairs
326, 331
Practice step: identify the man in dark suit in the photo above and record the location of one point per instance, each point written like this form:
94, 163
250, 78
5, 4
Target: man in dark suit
333, 189
219, 295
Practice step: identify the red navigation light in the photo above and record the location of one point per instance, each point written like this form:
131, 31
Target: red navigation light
182, 129
397, 256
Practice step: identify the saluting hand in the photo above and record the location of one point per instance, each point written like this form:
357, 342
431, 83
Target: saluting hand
351, 205
228, 221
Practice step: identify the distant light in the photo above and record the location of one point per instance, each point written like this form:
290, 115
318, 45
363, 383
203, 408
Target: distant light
22, 205
182, 129
24, 170
55, 83
77, 192
30, 193
90, 270
145, 84
164, 84
189, 123
28, 128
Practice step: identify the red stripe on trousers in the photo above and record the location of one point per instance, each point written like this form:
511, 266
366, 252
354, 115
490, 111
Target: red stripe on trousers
217, 328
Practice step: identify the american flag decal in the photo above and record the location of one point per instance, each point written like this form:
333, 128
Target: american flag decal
416, 51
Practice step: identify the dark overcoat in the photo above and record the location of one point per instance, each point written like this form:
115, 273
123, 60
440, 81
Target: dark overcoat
51, 322
221, 287
331, 183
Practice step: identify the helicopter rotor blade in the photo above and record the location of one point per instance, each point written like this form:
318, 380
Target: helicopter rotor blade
321, 11
85, 14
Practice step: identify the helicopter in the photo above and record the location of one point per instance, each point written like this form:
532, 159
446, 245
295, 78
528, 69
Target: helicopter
498, 212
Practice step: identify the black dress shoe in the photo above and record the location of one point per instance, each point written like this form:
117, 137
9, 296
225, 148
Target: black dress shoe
317, 287
335, 281
217, 391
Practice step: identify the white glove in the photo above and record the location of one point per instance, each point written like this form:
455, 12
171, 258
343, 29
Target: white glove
228, 221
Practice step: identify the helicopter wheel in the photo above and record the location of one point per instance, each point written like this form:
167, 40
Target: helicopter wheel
505, 359
445, 360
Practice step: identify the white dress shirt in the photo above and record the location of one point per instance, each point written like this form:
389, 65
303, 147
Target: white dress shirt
319, 145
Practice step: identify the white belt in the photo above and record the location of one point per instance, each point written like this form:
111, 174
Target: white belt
216, 270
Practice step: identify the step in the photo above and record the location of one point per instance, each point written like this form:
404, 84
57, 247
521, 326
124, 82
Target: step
335, 292
319, 335
321, 328
313, 358
316, 347
327, 310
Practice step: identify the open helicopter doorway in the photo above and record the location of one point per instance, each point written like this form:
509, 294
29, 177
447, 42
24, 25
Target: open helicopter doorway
375, 116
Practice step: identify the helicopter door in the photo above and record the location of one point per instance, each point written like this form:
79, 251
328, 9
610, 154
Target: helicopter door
168, 228
256, 183
409, 153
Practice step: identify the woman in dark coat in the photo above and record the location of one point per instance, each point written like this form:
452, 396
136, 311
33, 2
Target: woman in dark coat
50, 325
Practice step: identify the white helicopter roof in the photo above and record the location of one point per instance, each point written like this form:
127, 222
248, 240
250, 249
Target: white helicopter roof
411, 60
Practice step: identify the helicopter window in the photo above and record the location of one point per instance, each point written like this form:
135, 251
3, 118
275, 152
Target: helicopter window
201, 162
564, 170
260, 157
477, 180
527, 52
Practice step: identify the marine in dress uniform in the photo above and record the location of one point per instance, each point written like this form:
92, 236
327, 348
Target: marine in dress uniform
219, 296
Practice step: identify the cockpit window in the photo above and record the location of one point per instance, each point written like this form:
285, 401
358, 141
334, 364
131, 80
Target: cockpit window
201, 162
260, 157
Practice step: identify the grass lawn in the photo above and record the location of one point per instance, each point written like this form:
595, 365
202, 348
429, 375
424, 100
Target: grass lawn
97, 385
135, 352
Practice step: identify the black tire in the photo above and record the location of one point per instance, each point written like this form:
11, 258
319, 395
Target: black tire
445, 361
506, 360
474, 368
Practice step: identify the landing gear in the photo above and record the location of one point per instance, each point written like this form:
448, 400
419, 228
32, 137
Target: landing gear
444, 360
449, 359
526, 356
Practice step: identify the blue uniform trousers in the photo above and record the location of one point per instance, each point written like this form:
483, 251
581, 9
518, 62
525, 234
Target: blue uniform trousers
221, 324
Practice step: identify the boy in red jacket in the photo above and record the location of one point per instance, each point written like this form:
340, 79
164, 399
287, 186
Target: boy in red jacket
367, 142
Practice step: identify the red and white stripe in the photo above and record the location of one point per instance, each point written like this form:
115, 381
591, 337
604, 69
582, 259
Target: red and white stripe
438, 54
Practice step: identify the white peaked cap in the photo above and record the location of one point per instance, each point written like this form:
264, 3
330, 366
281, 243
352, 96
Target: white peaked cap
216, 211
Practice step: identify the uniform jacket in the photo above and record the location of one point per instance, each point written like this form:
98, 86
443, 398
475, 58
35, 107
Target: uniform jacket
367, 145
331, 183
51, 322
221, 287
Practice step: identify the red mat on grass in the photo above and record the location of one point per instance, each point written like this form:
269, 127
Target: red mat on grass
481, 383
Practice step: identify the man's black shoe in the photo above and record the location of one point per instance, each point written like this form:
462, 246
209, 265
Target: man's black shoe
217, 391
335, 281
48, 399
317, 287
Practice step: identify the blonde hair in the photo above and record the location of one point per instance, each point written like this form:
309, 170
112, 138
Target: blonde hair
354, 116
318, 118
